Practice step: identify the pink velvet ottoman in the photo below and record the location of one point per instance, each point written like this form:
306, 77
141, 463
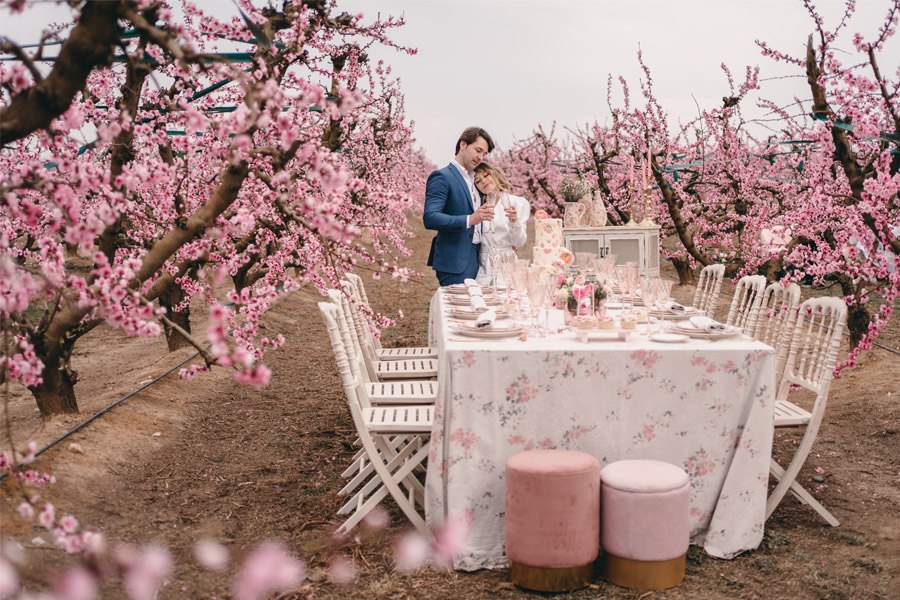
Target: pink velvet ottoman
552, 518
645, 523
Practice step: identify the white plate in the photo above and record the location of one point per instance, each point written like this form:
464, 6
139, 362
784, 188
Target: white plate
459, 288
492, 333
471, 315
464, 300
668, 338
702, 334
670, 316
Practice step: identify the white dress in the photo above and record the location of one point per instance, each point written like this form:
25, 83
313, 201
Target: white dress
505, 235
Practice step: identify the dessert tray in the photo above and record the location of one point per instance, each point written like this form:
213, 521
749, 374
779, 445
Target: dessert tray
494, 332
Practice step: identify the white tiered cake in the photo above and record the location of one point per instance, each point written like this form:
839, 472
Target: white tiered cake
547, 241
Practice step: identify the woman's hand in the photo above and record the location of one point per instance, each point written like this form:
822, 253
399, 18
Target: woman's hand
511, 214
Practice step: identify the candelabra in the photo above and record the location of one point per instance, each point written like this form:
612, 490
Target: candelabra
647, 220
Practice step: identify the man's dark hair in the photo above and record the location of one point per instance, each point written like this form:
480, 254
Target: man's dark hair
471, 134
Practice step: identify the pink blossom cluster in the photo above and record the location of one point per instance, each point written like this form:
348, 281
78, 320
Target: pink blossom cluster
299, 169
826, 189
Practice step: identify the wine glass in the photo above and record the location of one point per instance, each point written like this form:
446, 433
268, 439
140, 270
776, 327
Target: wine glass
494, 263
490, 199
535, 280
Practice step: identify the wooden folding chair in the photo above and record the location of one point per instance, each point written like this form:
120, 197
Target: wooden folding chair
810, 365
381, 353
707, 295
774, 323
394, 439
748, 295
378, 370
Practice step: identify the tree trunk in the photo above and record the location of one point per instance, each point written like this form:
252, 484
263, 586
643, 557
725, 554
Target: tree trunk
857, 323
56, 393
683, 268
173, 296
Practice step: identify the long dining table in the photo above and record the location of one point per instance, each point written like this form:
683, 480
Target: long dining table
703, 405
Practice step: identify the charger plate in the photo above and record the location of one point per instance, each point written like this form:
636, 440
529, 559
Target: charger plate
668, 338
497, 331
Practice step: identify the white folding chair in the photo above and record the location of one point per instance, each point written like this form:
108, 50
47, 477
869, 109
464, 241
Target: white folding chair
707, 295
381, 353
748, 295
810, 365
774, 323
394, 439
379, 370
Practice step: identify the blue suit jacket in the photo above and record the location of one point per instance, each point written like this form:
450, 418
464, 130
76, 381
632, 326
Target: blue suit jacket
447, 205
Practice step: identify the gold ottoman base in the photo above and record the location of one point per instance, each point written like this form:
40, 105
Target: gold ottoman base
550, 580
642, 575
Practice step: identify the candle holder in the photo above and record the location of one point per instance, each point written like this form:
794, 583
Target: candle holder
631, 222
647, 220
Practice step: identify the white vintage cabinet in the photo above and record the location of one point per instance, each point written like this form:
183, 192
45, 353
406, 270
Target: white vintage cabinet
631, 244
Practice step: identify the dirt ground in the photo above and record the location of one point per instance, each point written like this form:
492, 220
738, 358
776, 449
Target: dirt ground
182, 460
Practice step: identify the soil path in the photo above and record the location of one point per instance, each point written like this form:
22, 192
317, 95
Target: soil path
183, 460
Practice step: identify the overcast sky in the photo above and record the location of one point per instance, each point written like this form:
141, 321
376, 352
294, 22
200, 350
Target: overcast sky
509, 65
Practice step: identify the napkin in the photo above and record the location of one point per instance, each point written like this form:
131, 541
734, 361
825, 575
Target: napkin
707, 324
673, 306
478, 304
475, 290
470, 283
486, 319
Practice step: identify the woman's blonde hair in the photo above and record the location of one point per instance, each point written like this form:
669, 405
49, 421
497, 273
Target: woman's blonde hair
497, 172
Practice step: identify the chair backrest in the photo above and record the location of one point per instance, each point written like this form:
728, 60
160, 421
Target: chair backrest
707, 295
353, 389
362, 324
748, 295
775, 321
814, 347
357, 281
348, 335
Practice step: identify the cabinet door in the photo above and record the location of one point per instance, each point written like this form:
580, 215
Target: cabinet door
628, 249
592, 245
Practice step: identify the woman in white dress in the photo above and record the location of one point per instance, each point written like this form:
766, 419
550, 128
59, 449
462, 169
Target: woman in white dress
507, 229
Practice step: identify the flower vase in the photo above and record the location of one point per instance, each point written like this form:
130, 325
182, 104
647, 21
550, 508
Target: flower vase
574, 215
567, 317
587, 201
598, 211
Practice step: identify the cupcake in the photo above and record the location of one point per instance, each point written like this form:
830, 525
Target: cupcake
585, 322
628, 321
605, 323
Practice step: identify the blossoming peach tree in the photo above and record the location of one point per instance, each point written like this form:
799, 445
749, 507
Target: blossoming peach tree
818, 201
151, 168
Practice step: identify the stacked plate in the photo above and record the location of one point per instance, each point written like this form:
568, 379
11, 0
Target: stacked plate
461, 288
461, 300
494, 332
668, 315
702, 334
470, 314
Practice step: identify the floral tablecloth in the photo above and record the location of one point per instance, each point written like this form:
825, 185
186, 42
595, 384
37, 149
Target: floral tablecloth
704, 406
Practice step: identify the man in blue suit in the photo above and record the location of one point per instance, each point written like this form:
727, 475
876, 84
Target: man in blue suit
453, 209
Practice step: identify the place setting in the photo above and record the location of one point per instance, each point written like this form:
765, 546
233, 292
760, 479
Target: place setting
704, 328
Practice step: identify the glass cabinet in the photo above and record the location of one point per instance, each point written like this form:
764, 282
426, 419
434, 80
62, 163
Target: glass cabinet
630, 244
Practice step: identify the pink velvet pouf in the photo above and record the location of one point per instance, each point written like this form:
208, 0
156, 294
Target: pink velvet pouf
645, 523
552, 518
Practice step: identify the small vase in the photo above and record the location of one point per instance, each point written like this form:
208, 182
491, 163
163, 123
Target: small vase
598, 212
574, 215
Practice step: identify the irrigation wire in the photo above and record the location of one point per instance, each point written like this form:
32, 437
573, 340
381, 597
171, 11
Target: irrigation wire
133, 392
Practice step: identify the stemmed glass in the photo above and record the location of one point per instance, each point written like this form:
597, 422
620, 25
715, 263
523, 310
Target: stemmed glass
582, 260
663, 292
489, 199
519, 269
494, 262
535, 281
649, 288
632, 277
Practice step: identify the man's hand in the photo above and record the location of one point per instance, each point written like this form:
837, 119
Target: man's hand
483, 213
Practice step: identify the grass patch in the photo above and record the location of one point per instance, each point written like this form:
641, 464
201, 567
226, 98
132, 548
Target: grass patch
867, 564
851, 539
773, 539
765, 564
